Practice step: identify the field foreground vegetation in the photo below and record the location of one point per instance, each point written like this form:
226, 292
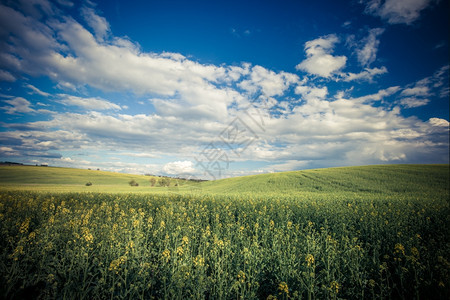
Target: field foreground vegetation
353, 233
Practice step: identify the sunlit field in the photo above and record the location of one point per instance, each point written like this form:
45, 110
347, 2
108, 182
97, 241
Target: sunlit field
345, 233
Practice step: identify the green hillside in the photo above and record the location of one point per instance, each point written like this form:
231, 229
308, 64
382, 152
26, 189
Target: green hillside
383, 179
57, 179
373, 179
378, 232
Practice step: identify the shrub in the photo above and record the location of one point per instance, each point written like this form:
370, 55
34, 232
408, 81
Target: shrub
133, 183
88, 183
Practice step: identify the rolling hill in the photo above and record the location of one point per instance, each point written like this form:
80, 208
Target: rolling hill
371, 179
56, 179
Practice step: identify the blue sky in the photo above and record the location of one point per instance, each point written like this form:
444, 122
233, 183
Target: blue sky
213, 89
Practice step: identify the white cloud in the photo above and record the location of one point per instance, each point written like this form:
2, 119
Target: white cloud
310, 93
18, 105
368, 52
35, 90
7, 151
410, 102
319, 60
367, 74
397, 11
439, 122
88, 103
416, 91
380, 95
97, 23
179, 168
195, 102
267, 81
6, 76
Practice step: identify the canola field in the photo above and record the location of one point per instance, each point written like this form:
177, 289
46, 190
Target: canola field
311, 243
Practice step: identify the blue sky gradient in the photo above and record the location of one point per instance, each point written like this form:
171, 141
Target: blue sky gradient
213, 89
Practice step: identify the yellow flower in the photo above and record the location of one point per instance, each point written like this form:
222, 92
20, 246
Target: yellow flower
334, 286
185, 240
241, 276
309, 260
372, 283
24, 226
399, 249
383, 267
50, 278
116, 263
180, 250
283, 287
199, 261
166, 255
87, 236
219, 243
136, 223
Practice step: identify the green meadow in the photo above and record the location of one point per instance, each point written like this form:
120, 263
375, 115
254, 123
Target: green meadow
55, 179
369, 232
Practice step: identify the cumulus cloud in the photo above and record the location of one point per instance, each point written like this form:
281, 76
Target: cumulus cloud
397, 11
439, 122
179, 168
319, 59
268, 82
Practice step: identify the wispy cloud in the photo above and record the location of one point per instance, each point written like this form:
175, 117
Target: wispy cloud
397, 11
88, 103
368, 52
35, 90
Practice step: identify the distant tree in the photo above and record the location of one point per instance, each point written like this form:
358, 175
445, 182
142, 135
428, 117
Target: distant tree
133, 183
88, 183
152, 181
164, 182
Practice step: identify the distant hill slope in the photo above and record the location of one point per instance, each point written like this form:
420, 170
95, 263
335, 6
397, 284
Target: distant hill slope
383, 179
56, 175
374, 179
73, 180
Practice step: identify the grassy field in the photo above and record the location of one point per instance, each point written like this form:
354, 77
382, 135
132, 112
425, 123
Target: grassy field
374, 232
53, 179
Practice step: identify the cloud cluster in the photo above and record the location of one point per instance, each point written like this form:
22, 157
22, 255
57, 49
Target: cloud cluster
284, 120
320, 61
